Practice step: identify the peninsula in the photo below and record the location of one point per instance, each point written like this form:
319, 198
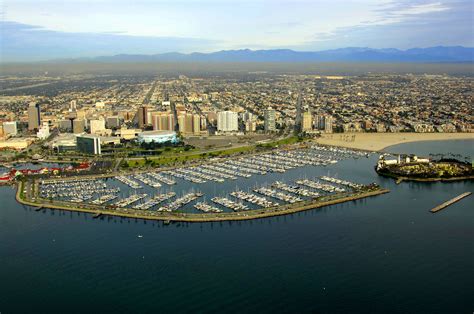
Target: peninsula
413, 168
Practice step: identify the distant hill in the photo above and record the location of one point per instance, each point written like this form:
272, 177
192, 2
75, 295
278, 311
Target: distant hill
454, 54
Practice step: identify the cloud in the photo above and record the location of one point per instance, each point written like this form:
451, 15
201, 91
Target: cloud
20, 42
404, 25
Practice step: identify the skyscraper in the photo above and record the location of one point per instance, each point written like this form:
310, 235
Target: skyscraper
73, 106
34, 117
142, 117
307, 123
299, 113
269, 120
328, 124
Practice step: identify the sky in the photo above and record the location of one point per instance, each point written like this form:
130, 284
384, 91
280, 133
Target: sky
49, 29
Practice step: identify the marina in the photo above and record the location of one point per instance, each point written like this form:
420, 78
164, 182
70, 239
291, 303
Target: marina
278, 195
180, 202
205, 207
155, 201
276, 178
229, 204
320, 186
254, 199
294, 189
129, 200
127, 181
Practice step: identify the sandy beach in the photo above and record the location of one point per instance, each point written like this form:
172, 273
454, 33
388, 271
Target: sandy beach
379, 141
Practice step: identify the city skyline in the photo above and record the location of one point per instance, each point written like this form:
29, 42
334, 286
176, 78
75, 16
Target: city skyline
86, 29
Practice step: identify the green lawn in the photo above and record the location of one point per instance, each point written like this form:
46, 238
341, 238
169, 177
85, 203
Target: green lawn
172, 155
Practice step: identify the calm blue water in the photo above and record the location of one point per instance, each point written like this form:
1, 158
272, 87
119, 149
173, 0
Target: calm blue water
385, 254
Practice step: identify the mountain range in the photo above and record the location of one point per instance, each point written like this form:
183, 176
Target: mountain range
454, 54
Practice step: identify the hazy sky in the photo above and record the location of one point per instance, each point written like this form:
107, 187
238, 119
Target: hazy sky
46, 29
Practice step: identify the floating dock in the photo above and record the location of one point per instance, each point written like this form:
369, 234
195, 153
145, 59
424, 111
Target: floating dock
450, 202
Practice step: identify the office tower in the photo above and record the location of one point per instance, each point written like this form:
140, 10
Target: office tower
269, 120
65, 125
112, 122
227, 121
307, 123
142, 117
79, 126
34, 117
10, 128
89, 144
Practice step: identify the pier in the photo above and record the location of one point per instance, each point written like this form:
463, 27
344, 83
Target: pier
450, 202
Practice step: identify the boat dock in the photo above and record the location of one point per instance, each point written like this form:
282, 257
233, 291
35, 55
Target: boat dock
450, 202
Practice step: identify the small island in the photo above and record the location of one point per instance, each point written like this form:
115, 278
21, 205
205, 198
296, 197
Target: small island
414, 168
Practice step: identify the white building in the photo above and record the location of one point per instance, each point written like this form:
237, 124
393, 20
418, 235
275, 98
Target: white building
269, 119
227, 121
10, 128
43, 132
73, 106
328, 124
97, 126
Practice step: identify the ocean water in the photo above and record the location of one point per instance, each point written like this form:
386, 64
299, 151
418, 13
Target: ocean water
386, 254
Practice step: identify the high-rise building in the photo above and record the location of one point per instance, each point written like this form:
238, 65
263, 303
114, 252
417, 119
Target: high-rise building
247, 116
227, 121
299, 113
163, 121
328, 124
142, 117
307, 122
73, 106
65, 125
196, 124
320, 122
78, 126
34, 116
186, 122
250, 126
269, 120
10, 128
89, 144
